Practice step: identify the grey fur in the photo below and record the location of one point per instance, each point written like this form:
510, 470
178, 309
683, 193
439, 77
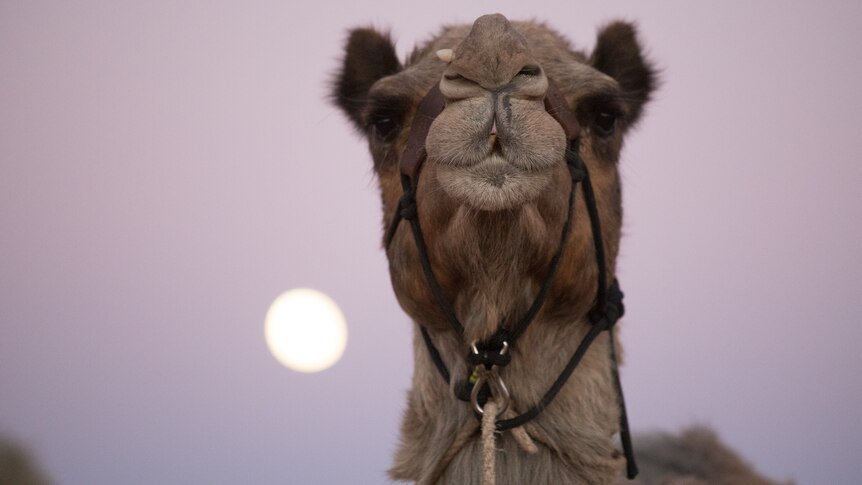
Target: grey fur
694, 457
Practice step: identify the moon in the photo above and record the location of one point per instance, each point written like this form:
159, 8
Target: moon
305, 330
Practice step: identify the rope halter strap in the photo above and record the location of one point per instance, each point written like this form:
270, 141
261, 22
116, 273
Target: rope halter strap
488, 357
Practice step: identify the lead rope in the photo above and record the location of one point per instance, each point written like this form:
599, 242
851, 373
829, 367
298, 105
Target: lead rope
489, 442
489, 449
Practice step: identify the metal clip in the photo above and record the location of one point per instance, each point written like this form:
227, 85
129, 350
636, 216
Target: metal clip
499, 391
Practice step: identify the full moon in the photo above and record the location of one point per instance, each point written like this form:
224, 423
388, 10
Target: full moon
305, 330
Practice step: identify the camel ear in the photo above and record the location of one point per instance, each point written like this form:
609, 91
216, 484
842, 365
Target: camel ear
369, 56
619, 55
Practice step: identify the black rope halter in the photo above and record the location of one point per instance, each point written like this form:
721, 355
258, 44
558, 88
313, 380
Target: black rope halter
495, 352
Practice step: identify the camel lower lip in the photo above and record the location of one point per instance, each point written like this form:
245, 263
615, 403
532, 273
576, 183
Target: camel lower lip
492, 184
495, 170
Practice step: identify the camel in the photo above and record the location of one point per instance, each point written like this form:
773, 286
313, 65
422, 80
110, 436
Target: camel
506, 123
17, 466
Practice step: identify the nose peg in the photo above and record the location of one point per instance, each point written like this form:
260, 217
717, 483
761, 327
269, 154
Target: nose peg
445, 55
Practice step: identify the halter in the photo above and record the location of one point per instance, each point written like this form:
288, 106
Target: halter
486, 357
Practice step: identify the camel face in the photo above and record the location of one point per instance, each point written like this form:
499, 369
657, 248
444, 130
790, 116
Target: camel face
493, 190
494, 146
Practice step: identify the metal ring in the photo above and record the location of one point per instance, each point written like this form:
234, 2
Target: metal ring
498, 387
499, 392
474, 395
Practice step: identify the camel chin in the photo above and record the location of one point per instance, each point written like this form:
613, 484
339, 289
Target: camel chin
494, 184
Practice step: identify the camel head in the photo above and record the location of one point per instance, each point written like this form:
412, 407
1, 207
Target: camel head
493, 190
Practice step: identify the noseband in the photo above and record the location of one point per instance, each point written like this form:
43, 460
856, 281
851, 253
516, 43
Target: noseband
487, 356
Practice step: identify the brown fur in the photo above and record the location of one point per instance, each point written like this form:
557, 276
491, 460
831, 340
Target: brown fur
17, 467
490, 248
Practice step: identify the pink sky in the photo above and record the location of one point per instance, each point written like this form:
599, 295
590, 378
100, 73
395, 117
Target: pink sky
167, 169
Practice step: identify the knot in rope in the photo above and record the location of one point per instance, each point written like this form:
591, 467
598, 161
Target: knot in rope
407, 205
578, 173
613, 308
577, 168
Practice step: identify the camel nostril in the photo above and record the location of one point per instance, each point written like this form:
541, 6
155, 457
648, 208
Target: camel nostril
494, 128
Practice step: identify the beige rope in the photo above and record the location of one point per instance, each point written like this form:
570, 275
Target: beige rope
489, 449
488, 430
524, 440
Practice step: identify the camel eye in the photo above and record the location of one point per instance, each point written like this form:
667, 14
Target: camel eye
530, 71
605, 123
384, 128
385, 116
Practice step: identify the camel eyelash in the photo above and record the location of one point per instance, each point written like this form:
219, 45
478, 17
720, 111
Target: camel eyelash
612, 104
